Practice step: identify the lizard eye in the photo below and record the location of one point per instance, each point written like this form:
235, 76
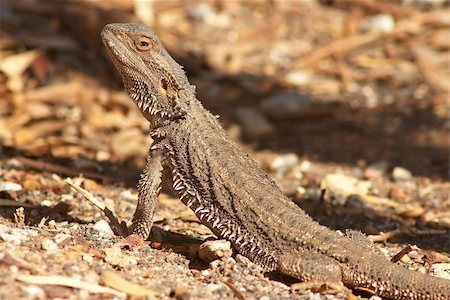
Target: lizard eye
143, 43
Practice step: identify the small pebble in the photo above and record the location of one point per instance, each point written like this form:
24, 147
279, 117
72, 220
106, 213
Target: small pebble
49, 245
34, 291
298, 77
375, 170
10, 186
345, 185
284, 163
406, 259
10, 238
243, 260
103, 229
87, 258
214, 264
286, 104
441, 270
15, 236
305, 166
413, 254
128, 195
378, 23
400, 174
212, 250
61, 237
254, 124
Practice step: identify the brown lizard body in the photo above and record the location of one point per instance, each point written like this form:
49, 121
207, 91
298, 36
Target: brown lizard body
230, 193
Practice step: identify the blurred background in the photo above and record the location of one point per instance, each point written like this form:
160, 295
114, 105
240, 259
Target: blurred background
348, 81
347, 96
345, 81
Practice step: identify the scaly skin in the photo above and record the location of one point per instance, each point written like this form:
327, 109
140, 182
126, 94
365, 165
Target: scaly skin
230, 193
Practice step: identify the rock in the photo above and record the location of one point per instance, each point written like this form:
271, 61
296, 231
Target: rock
10, 186
61, 237
115, 257
286, 104
298, 77
212, 250
376, 170
205, 13
182, 293
34, 292
49, 245
254, 124
90, 185
378, 23
284, 163
401, 174
103, 229
345, 185
87, 258
305, 166
31, 184
441, 270
128, 195
16, 235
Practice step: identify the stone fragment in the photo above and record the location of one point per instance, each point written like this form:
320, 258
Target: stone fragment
10, 186
401, 174
254, 124
378, 23
49, 245
212, 250
103, 229
286, 105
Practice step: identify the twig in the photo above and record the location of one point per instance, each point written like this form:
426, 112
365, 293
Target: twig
114, 280
44, 166
347, 44
118, 228
236, 292
384, 236
338, 47
67, 281
14, 203
402, 253
389, 8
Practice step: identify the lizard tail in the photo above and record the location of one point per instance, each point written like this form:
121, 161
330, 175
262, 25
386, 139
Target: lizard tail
392, 281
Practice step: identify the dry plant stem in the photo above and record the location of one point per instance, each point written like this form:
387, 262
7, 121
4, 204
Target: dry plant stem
114, 280
118, 228
67, 281
384, 236
60, 169
402, 253
347, 44
13, 203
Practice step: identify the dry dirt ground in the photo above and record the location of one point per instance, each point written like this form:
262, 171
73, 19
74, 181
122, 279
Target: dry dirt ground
344, 103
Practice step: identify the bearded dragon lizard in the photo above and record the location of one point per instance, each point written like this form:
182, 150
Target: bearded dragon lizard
230, 193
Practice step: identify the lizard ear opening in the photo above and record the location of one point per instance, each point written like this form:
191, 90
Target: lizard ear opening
164, 84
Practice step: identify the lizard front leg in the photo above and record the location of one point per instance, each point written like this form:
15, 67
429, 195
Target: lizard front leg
148, 191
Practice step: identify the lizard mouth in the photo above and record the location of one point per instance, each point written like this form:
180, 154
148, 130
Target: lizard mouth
149, 110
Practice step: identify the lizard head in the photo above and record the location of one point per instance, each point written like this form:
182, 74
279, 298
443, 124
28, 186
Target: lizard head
151, 76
